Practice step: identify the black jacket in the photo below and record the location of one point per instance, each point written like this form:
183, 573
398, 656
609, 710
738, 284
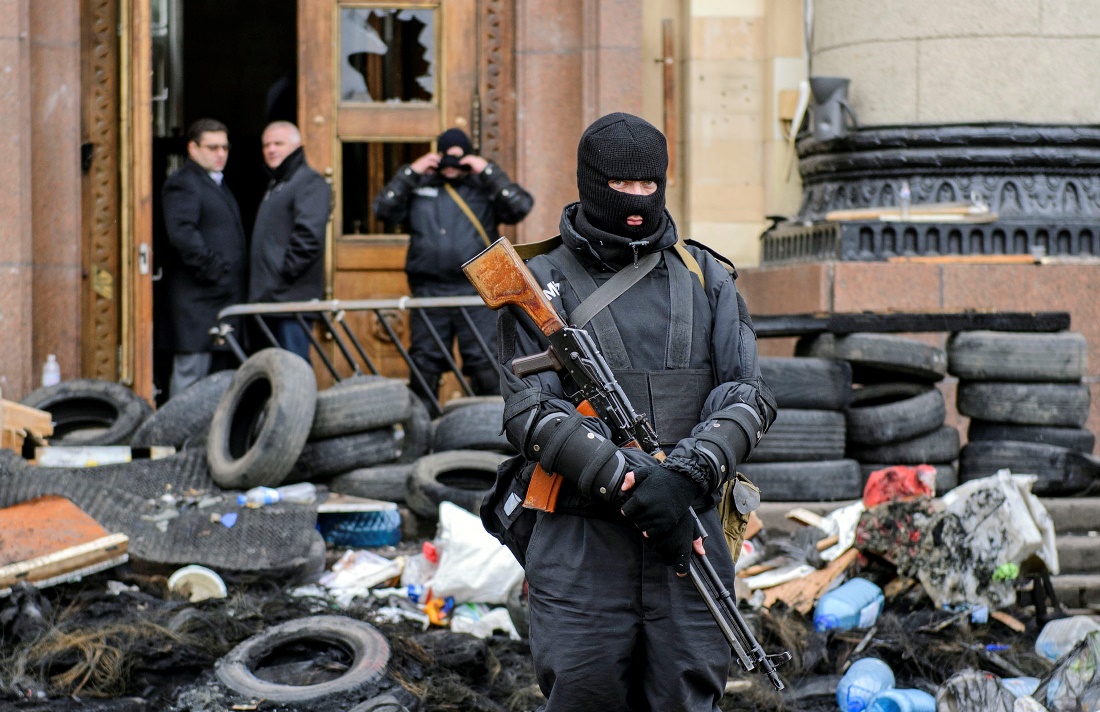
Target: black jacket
206, 261
441, 237
288, 239
723, 340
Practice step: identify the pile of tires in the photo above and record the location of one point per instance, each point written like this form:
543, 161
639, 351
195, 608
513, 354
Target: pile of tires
1027, 403
272, 426
801, 457
88, 411
467, 446
896, 415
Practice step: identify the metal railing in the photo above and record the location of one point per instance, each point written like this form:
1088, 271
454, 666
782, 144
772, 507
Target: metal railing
331, 315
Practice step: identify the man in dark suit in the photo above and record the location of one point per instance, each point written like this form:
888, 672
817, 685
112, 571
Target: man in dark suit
205, 269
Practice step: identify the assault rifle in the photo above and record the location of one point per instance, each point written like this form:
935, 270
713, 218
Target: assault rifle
501, 278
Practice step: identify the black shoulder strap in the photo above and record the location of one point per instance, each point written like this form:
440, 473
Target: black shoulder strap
603, 324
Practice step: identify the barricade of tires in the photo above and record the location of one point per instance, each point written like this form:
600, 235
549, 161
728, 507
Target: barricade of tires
801, 458
1027, 403
896, 414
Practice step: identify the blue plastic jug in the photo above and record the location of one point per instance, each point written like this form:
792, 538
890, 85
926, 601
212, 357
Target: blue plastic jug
865, 678
854, 604
903, 701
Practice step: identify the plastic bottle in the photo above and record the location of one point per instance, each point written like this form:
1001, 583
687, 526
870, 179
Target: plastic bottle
864, 679
854, 604
1060, 636
903, 701
300, 492
51, 371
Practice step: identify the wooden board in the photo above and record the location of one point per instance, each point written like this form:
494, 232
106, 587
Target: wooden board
16, 416
801, 594
48, 537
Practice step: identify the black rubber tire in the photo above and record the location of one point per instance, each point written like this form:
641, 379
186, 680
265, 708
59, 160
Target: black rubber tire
947, 475
801, 435
473, 427
357, 404
459, 476
322, 459
1077, 439
876, 358
185, 419
368, 647
1018, 357
87, 411
385, 482
934, 448
810, 383
464, 401
382, 703
1060, 471
820, 481
416, 431
262, 421
893, 412
1061, 404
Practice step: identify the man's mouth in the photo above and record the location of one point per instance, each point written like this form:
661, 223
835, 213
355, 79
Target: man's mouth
634, 220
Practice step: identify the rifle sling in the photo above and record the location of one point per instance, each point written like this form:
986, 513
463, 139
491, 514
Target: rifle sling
466, 210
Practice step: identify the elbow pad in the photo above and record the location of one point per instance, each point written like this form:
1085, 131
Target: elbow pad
569, 445
727, 438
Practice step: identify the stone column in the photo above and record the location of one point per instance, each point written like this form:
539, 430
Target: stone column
15, 200
55, 183
942, 61
575, 61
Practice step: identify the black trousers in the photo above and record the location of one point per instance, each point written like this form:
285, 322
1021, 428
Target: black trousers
614, 629
450, 326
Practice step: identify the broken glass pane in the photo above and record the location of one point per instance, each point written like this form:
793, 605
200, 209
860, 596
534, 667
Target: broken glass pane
387, 55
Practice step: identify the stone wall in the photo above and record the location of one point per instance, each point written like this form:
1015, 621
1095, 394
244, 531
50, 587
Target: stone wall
943, 61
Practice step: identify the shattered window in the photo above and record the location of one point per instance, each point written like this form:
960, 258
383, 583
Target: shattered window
387, 55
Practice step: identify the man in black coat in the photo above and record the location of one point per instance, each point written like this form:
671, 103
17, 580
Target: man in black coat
288, 239
438, 196
204, 269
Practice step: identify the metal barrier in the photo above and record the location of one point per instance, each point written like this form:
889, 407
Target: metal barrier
331, 315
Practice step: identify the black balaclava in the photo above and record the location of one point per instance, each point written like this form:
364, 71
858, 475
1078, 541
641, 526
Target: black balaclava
622, 147
447, 140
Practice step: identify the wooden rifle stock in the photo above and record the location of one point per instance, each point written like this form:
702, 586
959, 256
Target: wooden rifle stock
501, 278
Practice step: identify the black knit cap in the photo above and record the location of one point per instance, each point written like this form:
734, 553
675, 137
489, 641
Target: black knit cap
449, 139
621, 147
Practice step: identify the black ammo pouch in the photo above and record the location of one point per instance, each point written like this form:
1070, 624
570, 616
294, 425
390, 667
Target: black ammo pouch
502, 512
740, 498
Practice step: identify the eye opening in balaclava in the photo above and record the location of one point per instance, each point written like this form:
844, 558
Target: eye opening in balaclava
447, 140
621, 146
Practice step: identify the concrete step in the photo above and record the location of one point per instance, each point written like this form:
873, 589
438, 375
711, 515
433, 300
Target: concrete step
1078, 591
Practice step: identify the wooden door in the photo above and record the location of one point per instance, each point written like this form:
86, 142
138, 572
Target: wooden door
377, 82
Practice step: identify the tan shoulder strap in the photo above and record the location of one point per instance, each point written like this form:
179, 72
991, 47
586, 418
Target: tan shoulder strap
689, 261
466, 209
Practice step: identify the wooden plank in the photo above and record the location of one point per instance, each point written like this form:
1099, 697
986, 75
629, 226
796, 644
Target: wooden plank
388, 122
65, 561
810, 519
939, 210
1006, 619
19, 417
374, 254
803, 593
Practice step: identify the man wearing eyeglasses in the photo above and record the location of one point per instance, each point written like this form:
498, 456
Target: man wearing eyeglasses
205, 268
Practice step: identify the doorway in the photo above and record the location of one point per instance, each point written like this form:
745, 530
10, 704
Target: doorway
231, 61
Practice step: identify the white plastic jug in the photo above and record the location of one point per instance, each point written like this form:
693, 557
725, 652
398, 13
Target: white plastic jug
864, 679
854, 604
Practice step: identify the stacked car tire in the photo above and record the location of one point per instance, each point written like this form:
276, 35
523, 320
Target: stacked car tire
1027, 403
801, 458
896, 415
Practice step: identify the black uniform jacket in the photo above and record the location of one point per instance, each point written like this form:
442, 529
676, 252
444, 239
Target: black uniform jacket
205, 268
441, 237
288, 239
723, 340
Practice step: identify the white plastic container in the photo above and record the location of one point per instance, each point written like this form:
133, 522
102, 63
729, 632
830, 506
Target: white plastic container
1061, 635
854, 604
51, 371
864, 679
299, 492
197, 583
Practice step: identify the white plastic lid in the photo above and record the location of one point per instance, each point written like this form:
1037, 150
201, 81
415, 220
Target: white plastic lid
197, 583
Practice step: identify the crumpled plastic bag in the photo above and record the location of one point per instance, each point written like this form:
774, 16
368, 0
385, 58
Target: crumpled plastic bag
899, 483
1074, 684
974, 691
985, 524
473, 566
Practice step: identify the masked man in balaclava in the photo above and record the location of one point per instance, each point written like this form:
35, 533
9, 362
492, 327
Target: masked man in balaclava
614, 625
450, 203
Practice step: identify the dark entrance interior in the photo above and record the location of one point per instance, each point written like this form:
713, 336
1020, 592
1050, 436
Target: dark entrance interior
231, 60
